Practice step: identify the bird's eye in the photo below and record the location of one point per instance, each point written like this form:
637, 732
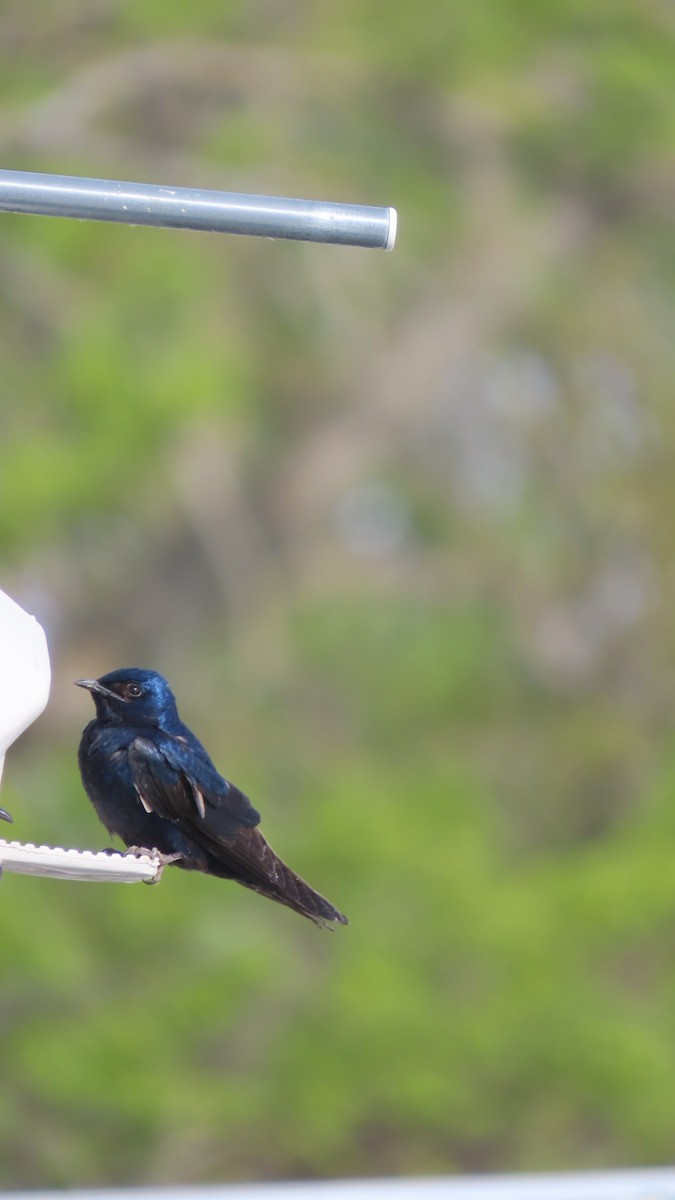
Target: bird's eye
134, 690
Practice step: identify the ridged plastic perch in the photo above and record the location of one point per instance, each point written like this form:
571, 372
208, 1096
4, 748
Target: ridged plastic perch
85, 865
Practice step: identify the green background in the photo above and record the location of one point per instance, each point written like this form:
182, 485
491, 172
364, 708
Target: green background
398, 528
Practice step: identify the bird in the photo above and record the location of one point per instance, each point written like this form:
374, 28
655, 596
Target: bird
153, 785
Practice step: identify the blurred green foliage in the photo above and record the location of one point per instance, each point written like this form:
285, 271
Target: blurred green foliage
397, 528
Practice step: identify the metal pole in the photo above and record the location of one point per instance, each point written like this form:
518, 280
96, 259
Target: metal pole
196, 208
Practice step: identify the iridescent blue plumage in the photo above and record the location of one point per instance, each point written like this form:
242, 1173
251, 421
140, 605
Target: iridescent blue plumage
153, 784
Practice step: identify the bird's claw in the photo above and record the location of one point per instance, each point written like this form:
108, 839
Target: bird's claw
4, 815
164, 860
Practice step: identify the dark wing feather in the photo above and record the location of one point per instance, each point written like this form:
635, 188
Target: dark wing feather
178, 782
254, 864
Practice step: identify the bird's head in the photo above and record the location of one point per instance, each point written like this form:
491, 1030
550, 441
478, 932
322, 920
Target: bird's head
132, 696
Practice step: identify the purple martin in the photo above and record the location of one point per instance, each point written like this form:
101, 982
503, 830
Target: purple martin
153, 784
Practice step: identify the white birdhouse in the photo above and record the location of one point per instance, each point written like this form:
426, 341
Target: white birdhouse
25, 672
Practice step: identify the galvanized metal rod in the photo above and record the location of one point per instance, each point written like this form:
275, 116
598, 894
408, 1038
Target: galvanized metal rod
196, 208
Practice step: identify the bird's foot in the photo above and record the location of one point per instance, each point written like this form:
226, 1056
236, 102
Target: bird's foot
165, 860
4, 815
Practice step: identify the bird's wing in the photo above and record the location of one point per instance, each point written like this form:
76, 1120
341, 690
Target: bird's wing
175, 778
253, 863
178, 781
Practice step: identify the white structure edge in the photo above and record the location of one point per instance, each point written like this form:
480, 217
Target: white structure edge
651, 1183
25, 673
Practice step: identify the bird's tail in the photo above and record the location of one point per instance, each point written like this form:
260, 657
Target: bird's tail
254, 864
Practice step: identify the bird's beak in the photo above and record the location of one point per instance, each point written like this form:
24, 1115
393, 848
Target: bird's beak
4, 815
93, 685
